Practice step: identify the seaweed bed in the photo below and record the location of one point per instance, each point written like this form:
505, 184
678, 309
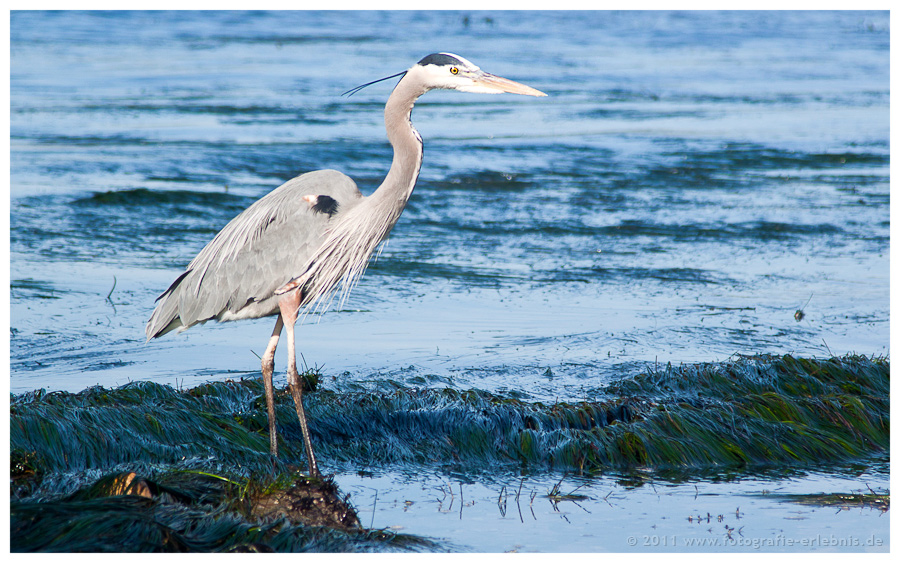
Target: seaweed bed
147, 467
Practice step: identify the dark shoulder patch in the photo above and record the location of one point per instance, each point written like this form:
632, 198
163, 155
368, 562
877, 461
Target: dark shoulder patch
325, 204
439, 59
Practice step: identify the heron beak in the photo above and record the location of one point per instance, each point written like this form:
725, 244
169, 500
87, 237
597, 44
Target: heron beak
501, 84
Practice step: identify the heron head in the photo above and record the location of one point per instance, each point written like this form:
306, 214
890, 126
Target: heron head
452, 72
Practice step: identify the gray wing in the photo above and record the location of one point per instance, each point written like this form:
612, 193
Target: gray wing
260, 250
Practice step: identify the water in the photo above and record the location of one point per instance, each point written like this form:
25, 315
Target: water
691, 182
749, 515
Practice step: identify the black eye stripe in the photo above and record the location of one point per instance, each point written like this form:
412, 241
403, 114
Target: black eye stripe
439, 59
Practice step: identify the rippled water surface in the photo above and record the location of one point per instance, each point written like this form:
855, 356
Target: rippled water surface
690, 183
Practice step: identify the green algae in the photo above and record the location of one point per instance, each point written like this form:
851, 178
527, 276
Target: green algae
132, 523
195, 511
760, 411
202, 454
753, 411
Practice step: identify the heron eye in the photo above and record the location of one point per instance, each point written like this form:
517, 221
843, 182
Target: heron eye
454, 70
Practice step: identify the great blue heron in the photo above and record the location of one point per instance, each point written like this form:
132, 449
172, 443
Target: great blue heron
292, 247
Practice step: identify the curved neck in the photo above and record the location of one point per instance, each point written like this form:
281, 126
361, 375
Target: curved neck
408, 149
355, 235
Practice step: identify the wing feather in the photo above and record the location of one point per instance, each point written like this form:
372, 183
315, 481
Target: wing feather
257, 252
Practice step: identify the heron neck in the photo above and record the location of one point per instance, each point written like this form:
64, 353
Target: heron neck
408, 149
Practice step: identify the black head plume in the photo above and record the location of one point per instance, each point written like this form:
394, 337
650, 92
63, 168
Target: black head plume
440, 59
352, 91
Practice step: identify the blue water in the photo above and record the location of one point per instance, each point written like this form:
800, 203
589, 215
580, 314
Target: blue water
691, 182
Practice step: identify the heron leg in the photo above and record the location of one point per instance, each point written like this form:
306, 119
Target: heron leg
268, 366
289, 304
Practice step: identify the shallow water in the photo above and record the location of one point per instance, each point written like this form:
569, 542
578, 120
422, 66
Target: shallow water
621, 514
691, 182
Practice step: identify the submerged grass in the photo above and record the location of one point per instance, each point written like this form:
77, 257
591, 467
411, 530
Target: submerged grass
760, 411
196, 511
843, 501
202, 454
133, 522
